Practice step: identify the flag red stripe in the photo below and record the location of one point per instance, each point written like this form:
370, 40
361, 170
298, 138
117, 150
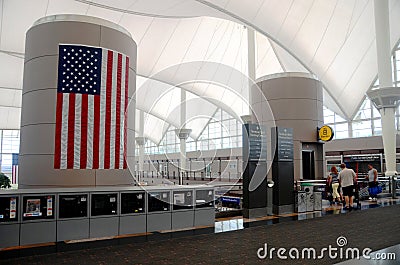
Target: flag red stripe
107, 143
96, 132
71, 131
126, 108
14, 175
84, 125
118, 113
57, 144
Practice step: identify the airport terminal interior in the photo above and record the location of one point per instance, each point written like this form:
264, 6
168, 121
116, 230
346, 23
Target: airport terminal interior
199, 132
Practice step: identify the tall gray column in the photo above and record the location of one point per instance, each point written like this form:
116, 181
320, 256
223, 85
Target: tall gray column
295, 100
386, 98
38, 114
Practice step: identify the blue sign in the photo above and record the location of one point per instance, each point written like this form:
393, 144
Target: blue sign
230, 199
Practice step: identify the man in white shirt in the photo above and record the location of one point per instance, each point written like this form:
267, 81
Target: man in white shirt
347, 178
372, 181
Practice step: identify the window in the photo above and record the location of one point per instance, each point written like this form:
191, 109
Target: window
341, 130
223, 131
9, 150
377, 127
362, 128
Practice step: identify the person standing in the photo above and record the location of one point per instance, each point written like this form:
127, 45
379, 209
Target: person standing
372, 182
347, 178
333, 182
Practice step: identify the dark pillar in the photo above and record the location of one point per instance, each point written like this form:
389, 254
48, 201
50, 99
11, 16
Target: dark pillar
255, 172
282, 170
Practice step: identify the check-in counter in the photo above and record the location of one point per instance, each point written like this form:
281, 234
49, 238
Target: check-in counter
9, 221
104, 219
73, 216
133, 213
182, 208
204, 214
159, 210
38, 218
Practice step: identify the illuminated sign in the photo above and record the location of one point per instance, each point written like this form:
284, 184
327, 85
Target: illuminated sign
325, 133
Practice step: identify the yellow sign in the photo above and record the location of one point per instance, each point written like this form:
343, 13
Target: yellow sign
325, 133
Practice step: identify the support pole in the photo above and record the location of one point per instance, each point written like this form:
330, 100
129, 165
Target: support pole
182, 134
386, 99
251, 60
141, 141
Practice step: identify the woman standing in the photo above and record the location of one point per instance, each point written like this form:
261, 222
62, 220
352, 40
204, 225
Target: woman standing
333, 181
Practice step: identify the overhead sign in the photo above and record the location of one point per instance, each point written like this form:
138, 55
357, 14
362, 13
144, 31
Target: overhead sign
325, 133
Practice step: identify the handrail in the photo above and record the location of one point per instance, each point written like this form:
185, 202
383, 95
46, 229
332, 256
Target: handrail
311, 180
223, 184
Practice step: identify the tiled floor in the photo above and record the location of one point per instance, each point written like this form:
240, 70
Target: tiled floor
389, 256
238, 222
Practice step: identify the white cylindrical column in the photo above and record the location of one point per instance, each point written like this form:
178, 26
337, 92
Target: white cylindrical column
183, 108
389, 139
182, 158
141, 141
141, 146
182, 134
251, 59
182, 139
382, 31
384, 101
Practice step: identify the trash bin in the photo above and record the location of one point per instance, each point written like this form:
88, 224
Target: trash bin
317, 201
318, 191
309, 199
300, 201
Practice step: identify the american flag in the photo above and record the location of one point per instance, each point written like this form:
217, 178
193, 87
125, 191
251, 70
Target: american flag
14, 169
91, 116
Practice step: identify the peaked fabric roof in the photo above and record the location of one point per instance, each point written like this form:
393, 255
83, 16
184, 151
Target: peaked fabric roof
335, 40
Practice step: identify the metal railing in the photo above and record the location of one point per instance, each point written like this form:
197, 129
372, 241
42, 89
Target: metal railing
190, 176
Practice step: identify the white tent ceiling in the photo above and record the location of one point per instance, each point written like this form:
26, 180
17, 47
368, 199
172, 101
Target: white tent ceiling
335, 40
